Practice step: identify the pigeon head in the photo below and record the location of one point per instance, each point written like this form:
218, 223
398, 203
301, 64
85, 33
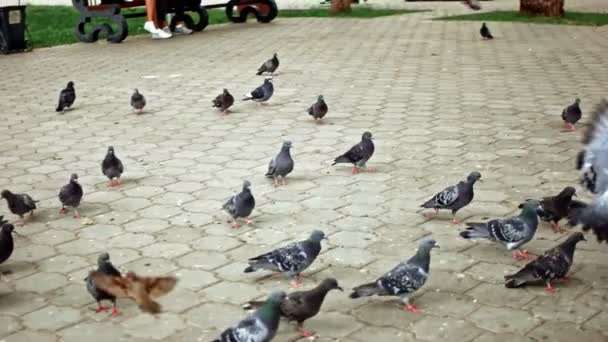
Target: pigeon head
74, 177
246, 185
6, 194
317, 236
320, 98
70, 84
103, 258
367, 136
136, 91
287, 145
111, 150
331, 284
275, 55
568, 192
530, 208
576, 238
277, 297
225, 91
577, 101
473, 177
7, 228
483, 25
427, 245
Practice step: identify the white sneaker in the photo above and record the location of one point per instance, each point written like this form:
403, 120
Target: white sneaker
166, 29
181, 28
149, 26
156, 32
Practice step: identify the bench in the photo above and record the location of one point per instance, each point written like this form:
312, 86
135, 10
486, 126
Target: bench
237, 11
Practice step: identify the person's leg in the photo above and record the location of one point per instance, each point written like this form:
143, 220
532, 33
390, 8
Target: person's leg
180, 8
152, 25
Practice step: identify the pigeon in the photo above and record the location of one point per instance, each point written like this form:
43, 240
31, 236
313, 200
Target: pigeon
104, 266
281, 165
112, 167
138, 101
292, 259
553, 264
70, 195
512, 232
594, 177
142, 290
261, 326
572, 114
262, 93
554, 208
302, 305
6, 240
472, 4
454, 197
359, 154
270, 65
485, 32
67, 97
241, 205
318, 109
223, 101
403, 280
19, 204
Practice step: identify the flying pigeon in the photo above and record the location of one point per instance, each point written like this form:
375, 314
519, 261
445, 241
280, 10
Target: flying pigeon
403, 280
594, 174
359, 154
112, 167
553, 264
223, 101
67, 97
572, 114
454, 197
554, 208
302, 305
261, 326
472, 4
143, 290
512, 232
281, 165
262, 93
485, 32
104, 266
241, 205
270, 65
6, 240
70, 195
292, 259
138, 101
19, 204
318, 109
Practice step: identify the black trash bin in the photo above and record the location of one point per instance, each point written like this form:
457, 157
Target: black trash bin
13, 29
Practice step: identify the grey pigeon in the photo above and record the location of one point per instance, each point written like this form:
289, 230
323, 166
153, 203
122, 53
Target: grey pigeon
261, 326
302, 305
241, 205
454, 197
594, 176
138, 101
359, 154
223, 101
553, 264
262, 93
473, 4
67, 97
70, 195
292, 259
270, 65
512, 232
112, 167
104, 266
572, 114
19, 204
554, 208
6, 240
485, 32
403, 280
281, 165
318, 109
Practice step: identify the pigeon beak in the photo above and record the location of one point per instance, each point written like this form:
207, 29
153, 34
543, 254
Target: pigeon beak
574, 194
436, 246
339, 288
325, 238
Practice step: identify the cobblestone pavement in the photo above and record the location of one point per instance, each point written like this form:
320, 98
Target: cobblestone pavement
440, 103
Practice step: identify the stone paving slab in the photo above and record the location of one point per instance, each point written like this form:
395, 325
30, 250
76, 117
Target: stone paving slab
440, 103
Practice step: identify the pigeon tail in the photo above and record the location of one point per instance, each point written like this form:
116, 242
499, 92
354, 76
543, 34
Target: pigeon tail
365, 290
476, 231
341, 159
249, 269
512, 281
429, 204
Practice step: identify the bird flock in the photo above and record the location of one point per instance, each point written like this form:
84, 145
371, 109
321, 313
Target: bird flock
107, 283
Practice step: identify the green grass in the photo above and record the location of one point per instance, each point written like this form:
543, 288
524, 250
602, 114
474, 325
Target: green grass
570, 18
55, 25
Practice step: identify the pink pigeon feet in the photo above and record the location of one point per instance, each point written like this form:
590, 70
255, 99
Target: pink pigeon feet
114, 183
101, 308
411, 308
556, 228
518, 255
355, 170
371, 169
429, 215
76, 214
63, 211
235, 225
304, 332
569, 127
550, 288
115, 311
297, 281
455, 221
249, 221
